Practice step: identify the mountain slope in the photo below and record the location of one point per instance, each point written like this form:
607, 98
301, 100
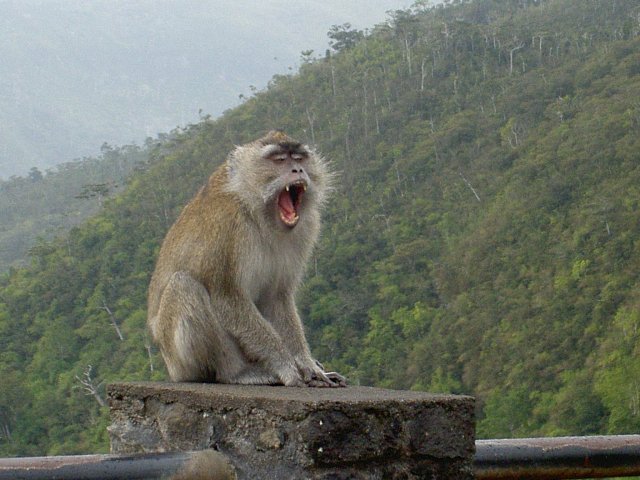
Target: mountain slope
481, 238
43, 205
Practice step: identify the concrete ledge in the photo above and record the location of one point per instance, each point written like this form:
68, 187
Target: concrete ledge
297, 433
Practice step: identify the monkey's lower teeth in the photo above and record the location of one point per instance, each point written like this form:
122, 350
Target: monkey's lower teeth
290, 221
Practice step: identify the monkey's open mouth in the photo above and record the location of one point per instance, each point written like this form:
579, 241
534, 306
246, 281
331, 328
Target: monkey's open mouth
289, 201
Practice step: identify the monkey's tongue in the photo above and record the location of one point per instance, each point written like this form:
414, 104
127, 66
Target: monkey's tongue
287, 209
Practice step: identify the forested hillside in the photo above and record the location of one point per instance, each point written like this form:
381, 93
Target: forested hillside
45, 205
483, 236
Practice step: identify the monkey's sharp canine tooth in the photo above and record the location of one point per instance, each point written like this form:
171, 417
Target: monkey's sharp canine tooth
287, 188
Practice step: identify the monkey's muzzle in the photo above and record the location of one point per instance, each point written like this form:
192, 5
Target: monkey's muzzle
289, 202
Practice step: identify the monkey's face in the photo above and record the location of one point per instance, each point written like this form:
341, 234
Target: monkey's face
287, 163
279, 179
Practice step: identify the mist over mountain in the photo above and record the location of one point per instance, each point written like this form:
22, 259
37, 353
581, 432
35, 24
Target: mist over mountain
76, 74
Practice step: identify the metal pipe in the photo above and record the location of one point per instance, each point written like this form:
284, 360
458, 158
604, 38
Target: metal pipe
505, 459
208, 464
557, 458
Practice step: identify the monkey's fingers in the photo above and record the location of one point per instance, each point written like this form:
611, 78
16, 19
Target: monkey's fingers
336, 378
319, 365
328, 381
320, 384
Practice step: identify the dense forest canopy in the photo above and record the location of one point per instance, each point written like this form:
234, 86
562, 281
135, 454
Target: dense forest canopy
482, 238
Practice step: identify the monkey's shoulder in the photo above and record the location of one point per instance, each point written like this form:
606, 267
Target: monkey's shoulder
210, 209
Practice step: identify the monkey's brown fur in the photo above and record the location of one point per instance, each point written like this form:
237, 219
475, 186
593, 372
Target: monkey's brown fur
206, 465
221, 299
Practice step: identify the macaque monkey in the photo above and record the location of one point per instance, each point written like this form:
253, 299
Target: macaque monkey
222, 297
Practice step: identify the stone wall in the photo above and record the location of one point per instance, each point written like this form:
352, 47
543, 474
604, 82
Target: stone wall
299, 433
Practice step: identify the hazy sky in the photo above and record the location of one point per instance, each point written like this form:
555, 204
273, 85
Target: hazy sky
257, 39
77, 73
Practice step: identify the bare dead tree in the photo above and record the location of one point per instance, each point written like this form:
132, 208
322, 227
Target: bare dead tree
147, 346
408, 53
470, 186
5, 431
5, 427
447, 33
347, 144
398, 179
540, 36
311, 119
511, 52
365, 107
375, 109
89, 387
333, 85
112, 319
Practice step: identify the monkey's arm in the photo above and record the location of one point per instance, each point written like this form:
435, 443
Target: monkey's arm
282, 313
256, 337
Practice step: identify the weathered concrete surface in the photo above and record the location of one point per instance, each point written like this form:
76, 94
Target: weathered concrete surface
300, 433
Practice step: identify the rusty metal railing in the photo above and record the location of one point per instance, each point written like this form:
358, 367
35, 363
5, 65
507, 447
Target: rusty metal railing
207, 464
558, 458
508, 459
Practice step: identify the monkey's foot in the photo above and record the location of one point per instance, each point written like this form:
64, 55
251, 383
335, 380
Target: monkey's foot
314, 375
328, 380
335, 377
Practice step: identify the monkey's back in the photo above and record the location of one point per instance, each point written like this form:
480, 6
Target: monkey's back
198, 243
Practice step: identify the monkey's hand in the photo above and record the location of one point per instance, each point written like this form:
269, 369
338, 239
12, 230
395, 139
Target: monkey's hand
314, 375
